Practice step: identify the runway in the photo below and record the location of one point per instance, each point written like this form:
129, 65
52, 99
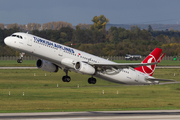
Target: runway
99, 115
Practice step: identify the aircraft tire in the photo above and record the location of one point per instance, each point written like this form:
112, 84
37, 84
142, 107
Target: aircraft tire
92, 80
19, 60
89, 80
66, 79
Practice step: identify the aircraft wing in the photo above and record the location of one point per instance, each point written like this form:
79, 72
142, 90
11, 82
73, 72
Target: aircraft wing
123, 65
127, 65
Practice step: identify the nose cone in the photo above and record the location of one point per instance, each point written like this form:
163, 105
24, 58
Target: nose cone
7, 41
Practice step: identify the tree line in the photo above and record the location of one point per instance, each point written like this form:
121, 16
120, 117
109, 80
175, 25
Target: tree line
95, 39
36, 26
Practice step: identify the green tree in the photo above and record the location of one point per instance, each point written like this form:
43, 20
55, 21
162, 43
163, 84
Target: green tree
99, 22
150, 28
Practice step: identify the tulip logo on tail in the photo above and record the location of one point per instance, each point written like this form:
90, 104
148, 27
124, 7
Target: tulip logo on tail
150, 68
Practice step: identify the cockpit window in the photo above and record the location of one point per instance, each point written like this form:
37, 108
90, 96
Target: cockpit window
18, 36
13, 35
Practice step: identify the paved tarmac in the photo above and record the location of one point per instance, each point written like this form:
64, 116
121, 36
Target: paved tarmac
99, 115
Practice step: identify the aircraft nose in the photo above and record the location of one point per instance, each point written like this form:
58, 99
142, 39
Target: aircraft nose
7, 41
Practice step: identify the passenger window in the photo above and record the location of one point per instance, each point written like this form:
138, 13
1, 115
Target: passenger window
18, 36
21, 37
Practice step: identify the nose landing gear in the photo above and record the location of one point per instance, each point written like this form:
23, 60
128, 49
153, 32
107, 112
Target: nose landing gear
21, 56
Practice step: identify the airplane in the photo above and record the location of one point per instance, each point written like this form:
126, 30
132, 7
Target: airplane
54, 56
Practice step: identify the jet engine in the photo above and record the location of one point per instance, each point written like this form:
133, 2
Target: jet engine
84, 68
46, 66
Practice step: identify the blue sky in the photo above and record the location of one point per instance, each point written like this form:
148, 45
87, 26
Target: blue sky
82, 11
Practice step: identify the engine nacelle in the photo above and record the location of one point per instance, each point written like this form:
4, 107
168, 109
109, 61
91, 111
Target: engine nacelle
84, 68
46, 66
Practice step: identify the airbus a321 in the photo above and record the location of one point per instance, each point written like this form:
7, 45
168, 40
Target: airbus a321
54, 56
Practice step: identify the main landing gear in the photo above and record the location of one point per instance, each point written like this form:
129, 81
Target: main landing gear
21, 56
92, 80
66, 78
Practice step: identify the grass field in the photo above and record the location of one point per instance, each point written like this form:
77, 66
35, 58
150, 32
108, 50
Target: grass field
41, 93
32, 63
13, 63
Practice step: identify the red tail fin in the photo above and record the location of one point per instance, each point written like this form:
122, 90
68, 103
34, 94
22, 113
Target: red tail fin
152, 57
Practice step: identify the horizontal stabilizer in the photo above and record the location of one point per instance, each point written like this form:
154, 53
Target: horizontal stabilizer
156, 79
168, 83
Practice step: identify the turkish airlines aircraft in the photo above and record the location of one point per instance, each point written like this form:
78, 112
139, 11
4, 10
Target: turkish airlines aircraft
54, 56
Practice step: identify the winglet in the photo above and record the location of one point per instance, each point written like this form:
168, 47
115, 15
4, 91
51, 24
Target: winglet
160, 58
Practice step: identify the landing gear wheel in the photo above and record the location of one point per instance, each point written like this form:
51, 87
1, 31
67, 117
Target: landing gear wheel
89, 80
92, 80
66, 79
19, 60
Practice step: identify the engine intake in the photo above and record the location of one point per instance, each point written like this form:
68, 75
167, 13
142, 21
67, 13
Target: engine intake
46, 66
84, 68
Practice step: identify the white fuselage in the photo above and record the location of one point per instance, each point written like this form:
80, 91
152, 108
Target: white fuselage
64, 57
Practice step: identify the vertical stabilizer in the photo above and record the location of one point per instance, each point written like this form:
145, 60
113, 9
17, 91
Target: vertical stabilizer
152, 57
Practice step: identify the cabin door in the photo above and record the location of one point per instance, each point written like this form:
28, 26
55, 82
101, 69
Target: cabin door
29, 41
60, 52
